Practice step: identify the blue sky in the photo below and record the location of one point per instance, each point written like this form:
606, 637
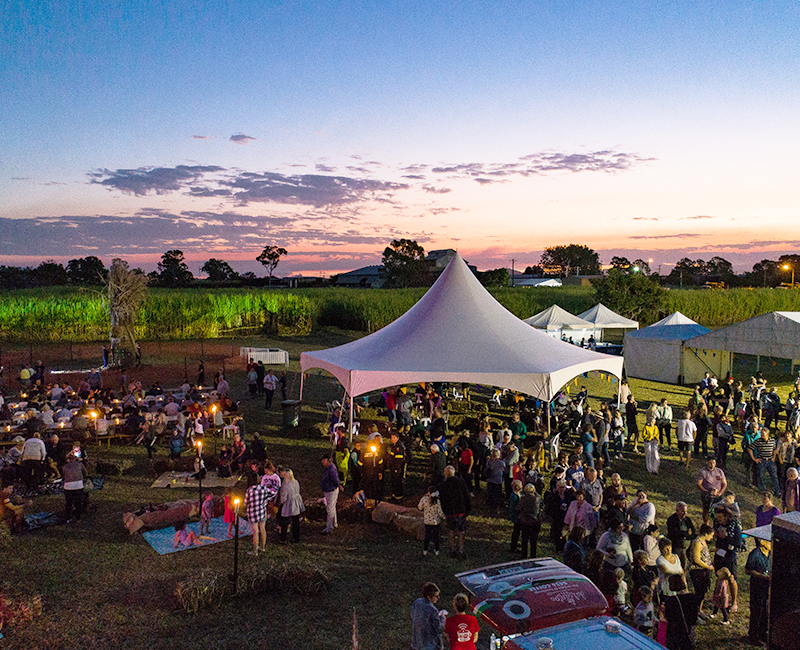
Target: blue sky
651, 129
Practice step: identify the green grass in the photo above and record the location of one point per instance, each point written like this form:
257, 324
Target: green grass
104, 588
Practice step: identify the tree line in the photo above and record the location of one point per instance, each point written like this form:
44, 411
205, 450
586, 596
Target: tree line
172, 272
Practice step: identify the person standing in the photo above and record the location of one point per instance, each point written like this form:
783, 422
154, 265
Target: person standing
456, 505
270, 384
437, 464
685, 432
396, 464
462, 628
725, 439
426, 624
529, 510
330, 486
201, 374
631, 408
763, 452
643, 514
283, 386
74, 474
680, 529
758, 567
664, 422
291, 506
261, 371
712, 483
256, 498
650, 435
371, 465
32, 461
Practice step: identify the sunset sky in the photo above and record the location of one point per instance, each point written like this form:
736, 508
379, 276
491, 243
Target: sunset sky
647, 129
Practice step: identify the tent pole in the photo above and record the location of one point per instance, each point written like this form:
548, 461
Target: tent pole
549, 398
351, 418
302, 377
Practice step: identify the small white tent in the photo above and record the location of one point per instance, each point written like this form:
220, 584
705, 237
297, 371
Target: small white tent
458, 332
775, 334
656, 352
556, 321
605, 319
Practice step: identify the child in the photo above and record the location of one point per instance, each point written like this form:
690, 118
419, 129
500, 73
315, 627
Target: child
642, 575
432, 516
185, 537
732, 506
644, 615
621, 595
206, 513
229, 517
722, 594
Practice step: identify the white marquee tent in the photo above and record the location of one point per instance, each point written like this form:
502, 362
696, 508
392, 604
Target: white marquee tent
775, 334
657, 352
458, 332
604, 319
557, 321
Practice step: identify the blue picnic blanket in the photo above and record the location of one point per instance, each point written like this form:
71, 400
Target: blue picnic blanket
163, 540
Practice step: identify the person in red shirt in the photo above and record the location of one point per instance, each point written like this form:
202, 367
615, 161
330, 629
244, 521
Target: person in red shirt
462, 628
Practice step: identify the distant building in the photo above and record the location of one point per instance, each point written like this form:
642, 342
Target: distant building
368, 277
537, 282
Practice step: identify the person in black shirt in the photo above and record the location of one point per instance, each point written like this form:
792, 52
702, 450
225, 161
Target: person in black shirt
680, 530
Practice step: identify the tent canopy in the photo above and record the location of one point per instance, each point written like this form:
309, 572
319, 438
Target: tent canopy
656, 352
775, 334
675, 318
556, 318
458, 332
602, 317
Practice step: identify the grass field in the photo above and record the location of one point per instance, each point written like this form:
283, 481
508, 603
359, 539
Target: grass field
102, 588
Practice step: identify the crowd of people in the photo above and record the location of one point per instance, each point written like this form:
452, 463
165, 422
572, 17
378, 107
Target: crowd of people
599, 525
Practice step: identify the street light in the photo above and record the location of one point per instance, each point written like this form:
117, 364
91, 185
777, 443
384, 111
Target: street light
786, 267
235, 578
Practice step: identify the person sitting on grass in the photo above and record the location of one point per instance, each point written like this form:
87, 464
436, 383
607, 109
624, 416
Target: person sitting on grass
185, 537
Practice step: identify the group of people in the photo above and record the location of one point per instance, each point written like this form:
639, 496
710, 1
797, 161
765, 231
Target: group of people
262, 381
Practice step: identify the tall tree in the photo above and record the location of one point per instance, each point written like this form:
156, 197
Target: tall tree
642, 265
633, 295
404, 264
494, 278
270, 257
219, 271
125, 290
574, 259
49, 274
86, 271
688, 272
536, 269
173, 271
622, 263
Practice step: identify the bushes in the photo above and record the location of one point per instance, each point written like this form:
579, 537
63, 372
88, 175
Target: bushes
209, 589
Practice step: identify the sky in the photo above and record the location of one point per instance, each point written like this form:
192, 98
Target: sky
650, 129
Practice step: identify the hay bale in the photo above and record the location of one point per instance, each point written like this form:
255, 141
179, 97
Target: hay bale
384, 512
412, 526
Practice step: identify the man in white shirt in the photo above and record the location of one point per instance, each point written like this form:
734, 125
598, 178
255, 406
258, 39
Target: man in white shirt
685, 430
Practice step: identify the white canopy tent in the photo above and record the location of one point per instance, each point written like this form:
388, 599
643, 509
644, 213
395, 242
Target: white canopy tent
775, 334
458, 332
657, 352
557, 321
604, 319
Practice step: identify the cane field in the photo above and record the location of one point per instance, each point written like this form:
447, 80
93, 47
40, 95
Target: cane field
103, 588
171, 314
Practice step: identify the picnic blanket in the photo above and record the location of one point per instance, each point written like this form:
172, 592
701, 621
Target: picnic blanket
41, 519
185, 480
163, 540
55, 487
